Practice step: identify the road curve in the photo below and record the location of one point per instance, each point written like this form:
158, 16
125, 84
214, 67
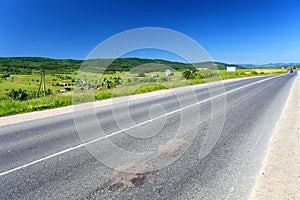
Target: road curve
221, 135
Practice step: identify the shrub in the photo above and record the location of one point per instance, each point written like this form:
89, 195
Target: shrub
18, 94
4, 76
141, 74
254, 72
188, 74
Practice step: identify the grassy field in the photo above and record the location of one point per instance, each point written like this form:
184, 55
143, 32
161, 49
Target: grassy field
123, 83
30, 83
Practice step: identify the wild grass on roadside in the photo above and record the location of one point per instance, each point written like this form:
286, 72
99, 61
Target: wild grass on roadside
10, 107
136, 85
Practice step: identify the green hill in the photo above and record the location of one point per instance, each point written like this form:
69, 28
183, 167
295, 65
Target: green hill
31, 65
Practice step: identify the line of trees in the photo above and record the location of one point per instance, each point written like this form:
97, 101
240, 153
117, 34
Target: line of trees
204, 74
33, 65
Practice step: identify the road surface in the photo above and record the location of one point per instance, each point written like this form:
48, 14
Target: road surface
206, 143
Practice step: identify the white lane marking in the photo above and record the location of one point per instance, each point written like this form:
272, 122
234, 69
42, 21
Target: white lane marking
25, 117
120, 131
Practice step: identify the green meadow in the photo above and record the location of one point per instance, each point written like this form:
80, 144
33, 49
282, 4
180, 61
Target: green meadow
18, 89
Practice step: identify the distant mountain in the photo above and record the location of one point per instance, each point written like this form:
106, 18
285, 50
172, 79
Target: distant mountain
270, 65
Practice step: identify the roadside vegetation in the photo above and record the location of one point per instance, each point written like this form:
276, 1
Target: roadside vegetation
65, 84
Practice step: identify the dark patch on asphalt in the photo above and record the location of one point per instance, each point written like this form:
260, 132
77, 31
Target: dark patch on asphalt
122, 178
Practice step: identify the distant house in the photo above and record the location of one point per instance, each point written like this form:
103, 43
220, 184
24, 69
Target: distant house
83, 82
154, 76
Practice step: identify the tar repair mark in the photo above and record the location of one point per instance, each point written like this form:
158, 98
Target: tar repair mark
122, 178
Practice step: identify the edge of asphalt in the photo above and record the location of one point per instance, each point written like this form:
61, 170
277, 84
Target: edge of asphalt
279, 177
24, 117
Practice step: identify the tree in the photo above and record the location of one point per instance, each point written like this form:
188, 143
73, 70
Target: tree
107, 83
49, 91
188, 74
117, 80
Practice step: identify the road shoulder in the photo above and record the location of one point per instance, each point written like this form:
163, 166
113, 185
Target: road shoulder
279, 177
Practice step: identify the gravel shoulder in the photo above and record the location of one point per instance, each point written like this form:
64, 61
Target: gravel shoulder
279, 177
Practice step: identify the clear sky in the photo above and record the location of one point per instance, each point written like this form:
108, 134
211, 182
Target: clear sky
232, 31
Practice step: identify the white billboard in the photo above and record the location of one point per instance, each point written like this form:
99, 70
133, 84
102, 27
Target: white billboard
231, 69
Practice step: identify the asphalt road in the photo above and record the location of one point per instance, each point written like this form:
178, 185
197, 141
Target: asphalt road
195, 143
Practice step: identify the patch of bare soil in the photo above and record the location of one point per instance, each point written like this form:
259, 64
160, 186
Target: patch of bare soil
172, 147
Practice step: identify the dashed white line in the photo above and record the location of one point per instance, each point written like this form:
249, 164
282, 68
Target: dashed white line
120, 131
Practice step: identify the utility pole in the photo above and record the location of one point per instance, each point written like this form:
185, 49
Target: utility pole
42, 80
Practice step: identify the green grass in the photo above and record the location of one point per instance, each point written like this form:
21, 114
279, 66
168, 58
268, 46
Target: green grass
10, 107
30, 83
240, 73
149, 88
131, 84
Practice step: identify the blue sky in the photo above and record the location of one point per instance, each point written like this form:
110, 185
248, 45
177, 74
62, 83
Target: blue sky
232, 31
